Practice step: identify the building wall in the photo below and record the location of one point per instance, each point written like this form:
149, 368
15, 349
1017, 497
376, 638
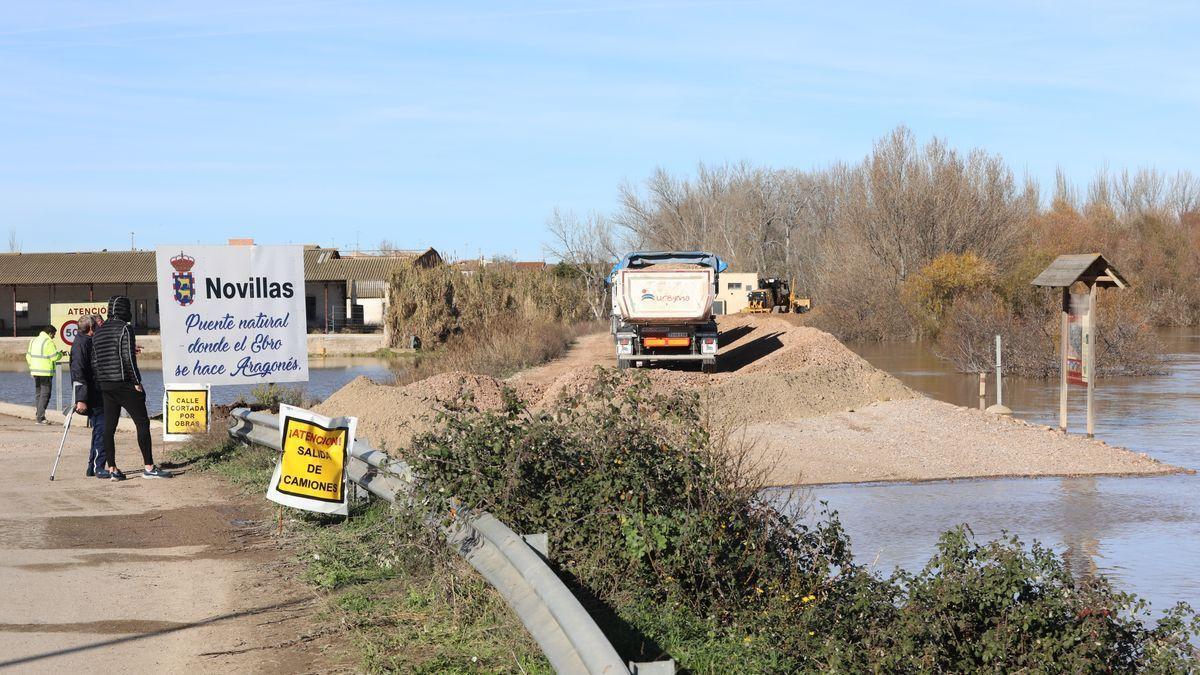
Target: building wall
41, 297
733, 287
373, 310
324, 310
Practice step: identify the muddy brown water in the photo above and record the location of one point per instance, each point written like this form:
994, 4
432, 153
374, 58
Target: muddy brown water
1143, 533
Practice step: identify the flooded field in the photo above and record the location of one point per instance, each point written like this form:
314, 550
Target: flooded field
1142, 532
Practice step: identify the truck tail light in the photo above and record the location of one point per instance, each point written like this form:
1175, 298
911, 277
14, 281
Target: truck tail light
624, 345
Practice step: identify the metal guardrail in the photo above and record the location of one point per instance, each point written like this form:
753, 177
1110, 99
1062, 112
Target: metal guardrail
567, 634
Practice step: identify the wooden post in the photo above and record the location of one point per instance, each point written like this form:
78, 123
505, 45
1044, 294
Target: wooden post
982, 390
1089, 338
1062, 361
14, 299
91, 292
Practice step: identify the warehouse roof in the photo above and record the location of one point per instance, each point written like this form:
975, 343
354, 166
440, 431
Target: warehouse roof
102, 267
137, 267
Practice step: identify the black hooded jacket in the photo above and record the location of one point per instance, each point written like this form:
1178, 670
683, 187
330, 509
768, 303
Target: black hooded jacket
114, 352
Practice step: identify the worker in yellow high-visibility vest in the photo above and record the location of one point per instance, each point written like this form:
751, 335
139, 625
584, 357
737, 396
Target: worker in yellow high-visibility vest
42, 356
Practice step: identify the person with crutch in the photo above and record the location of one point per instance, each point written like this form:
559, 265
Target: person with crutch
89, 400
42, 356
115, 367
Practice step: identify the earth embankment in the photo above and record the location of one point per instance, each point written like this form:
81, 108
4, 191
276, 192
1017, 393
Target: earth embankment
807, 409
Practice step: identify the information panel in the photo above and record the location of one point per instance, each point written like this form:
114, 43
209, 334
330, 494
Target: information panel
1079, 342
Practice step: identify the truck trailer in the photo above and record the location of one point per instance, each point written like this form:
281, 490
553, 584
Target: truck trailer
662, 308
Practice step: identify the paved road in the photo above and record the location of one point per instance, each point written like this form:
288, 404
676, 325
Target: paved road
140, 576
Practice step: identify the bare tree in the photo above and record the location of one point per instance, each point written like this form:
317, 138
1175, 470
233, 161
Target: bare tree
14, 244
589, 246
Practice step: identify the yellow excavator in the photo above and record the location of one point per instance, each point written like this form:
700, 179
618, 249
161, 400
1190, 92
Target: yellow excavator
776, 295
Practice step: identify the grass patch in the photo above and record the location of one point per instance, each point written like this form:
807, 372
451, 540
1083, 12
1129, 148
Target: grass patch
405, 602
247, 467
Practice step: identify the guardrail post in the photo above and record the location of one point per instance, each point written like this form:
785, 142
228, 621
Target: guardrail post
539, 542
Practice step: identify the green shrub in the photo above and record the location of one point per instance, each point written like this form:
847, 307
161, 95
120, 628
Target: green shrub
930, 292
649, 514
272, 394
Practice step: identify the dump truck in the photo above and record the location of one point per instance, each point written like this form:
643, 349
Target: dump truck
662, 308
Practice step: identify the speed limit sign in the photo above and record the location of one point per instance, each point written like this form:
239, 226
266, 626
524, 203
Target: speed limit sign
69, 330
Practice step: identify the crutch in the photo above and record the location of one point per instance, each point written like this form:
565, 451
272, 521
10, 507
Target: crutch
66, 428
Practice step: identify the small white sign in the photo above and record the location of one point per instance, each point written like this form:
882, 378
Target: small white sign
187, 411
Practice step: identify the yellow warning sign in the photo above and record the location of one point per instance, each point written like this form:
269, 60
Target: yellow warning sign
314, 458
185, 412
64, 316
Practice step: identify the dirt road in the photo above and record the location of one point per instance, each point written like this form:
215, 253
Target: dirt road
177, 575
810, 411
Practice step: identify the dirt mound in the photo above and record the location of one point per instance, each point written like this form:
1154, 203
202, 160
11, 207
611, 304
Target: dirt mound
770, 370
391, 416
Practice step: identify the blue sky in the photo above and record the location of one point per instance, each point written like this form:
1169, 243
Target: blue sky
461, 125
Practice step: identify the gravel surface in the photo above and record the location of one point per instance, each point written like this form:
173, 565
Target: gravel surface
923, 439
811, 410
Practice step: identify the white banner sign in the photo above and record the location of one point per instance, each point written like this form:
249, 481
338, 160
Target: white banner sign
232, 314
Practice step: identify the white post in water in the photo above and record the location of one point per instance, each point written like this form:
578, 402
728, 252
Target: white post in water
998, 408
999, 386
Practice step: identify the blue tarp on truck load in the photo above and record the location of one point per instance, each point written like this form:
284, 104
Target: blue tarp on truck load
648, 258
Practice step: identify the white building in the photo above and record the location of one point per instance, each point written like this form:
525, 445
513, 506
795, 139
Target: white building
732, 289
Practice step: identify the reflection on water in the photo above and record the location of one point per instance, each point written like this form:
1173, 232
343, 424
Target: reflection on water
326, 375
1144, 533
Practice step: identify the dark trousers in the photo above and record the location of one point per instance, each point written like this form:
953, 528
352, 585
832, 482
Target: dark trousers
41, 394
119, 395
96, 453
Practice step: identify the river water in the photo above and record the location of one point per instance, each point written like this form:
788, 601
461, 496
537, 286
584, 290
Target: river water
1143, 533
325, 376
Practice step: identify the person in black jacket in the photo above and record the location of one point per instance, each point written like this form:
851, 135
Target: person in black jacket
89, 400
114, 365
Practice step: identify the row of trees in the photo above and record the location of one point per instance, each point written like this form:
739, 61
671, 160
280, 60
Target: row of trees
854, 235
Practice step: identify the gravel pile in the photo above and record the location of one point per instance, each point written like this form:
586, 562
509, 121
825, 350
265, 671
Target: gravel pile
770, 370
391, 416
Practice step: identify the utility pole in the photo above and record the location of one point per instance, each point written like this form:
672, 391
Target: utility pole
131, 246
